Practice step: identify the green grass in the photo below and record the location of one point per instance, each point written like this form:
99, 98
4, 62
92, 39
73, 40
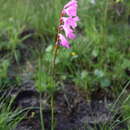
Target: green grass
8, 118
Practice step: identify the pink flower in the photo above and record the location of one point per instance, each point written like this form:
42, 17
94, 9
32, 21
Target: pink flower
71, 11
70, 8
70, 21
71, 3
68, 32
63, 41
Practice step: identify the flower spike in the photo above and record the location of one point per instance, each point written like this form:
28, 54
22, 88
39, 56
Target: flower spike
68, 23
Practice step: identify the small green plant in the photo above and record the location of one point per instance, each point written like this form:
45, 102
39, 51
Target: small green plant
44, 83
8, 118
4, 68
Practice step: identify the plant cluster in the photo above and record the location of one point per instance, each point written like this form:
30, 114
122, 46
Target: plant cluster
98, 58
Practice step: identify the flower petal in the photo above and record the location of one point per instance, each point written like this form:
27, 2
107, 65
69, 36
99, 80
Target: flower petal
68, 32
63, 41
70, 21
71, 3
71, 11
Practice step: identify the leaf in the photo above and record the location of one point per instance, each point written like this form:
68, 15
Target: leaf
99, 73
84, 74
105, 83
49, 48
117, 1
95, 53
125, 64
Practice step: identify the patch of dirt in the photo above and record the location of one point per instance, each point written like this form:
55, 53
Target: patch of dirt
29, 124
26, 95
29, 40
72, 110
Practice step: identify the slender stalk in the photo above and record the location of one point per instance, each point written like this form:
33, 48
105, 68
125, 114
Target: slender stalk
54, 59
56, 46
41, 113
55, 50
52, 113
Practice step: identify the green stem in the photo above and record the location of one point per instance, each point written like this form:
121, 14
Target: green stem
53, 62
56, 47
52, 113
53, 72
41, 113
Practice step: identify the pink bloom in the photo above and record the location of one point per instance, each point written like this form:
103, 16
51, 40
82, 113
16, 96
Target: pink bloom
67, 24
71, 3
70, 21
71, 11
63, 41
70, 8
68, 32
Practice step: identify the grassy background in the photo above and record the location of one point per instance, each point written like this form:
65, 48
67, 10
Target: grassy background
99, 57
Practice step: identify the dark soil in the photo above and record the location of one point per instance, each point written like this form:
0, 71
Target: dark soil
72, 110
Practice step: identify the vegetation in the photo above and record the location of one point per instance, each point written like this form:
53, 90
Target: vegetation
98, 60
